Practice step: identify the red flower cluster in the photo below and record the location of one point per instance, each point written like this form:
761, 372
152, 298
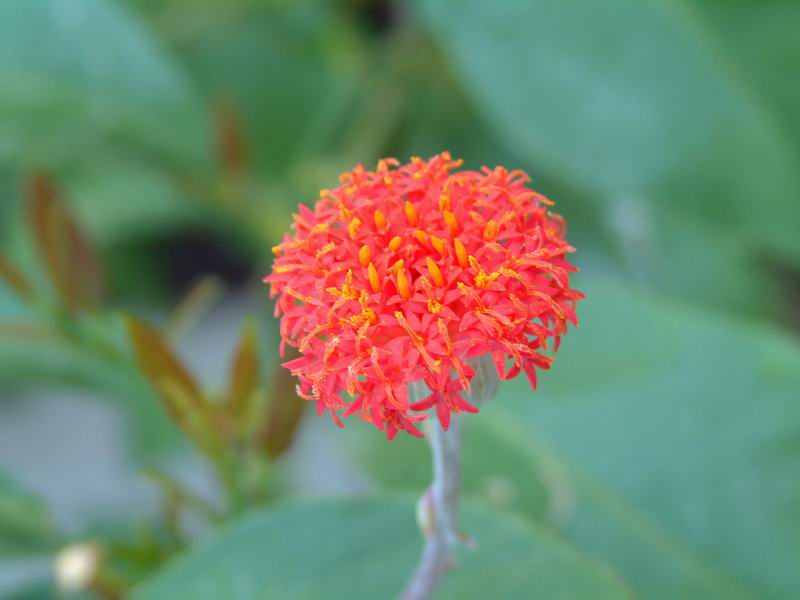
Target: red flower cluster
405, 273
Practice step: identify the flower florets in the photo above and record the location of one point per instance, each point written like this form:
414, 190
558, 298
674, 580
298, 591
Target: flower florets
410, 272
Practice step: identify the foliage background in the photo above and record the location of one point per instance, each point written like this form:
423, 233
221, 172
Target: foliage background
150, 154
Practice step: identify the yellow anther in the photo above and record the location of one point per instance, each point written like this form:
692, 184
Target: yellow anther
402, 285
394, 243
433, 269
288, 268
421, 236
380, 220
387, 180
482, 279
439, 245
276, 249
411, 213
461, 253
434, 306
477, 217
490, 231
352, 228
326, 249
363, 255
444, 202
374, 282
319, 228
398, 264
450, 219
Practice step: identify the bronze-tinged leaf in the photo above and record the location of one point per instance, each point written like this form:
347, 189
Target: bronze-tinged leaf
169, 377
14, 278
245, 372
284, 413
231, 147
70, 260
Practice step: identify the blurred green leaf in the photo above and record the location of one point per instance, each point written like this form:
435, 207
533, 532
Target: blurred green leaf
762, 36
682, 429
671, 251
291, 70
119, 198
631, 101
25, 525
75, 74
367, 549
664, 441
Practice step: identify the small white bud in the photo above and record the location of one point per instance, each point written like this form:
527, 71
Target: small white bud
76, 567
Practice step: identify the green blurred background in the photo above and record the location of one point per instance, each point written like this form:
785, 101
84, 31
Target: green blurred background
151, 152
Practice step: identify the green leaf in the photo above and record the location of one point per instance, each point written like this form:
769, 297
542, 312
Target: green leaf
25, 525
762, 37
635, 101
120, 198
681, 429
60, 96
368, 549
291, 71
664, 441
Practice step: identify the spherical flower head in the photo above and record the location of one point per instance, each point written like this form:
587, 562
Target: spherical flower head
409, 273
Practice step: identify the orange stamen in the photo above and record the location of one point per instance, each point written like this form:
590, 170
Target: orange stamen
352, 228
451, 221
438, 244
433, 269
380, 220
363, 255
490, 231
374, 282
402, 285
394, 243
411, 213
461, 253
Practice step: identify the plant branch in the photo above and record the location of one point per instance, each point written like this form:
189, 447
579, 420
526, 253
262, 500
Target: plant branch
439, 512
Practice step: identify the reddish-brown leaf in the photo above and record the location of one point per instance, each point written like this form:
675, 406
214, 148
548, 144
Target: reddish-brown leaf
14, 278
169, 377
70, 260
245, 372
284, 413
231, 147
